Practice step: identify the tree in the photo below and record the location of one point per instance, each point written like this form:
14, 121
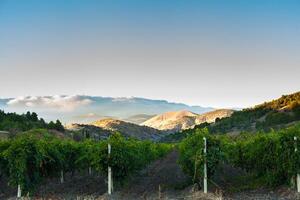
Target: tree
51, 125
59, 126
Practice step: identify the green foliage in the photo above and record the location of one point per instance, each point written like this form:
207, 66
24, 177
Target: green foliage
192, 156
287, 102
270, 156
280, 111
35, 155
25, 157
14, 123
3, 163
240, 120
275, 119
127, 156
264, 117
56, 126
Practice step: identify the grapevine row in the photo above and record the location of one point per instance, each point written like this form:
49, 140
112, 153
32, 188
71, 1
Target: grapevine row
272, 157
35, 156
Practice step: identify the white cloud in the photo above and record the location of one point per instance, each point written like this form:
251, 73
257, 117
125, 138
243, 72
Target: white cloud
60, 102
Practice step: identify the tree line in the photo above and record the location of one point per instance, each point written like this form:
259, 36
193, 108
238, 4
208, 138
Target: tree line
15, 123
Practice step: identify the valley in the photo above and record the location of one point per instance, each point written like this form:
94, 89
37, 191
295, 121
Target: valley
157, 157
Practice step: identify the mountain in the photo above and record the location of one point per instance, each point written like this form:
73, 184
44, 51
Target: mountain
82, 131
129, 129
174, 121
276, 114
86, 109
180, 120
138, 119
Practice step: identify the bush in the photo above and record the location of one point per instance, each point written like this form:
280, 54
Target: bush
270, 156
192, 158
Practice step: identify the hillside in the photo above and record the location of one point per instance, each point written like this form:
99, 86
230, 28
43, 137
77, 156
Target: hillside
277, 113
180, 120
83, 131
129, 129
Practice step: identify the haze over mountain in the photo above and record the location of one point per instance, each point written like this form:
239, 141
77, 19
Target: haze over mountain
180, 120
85, 109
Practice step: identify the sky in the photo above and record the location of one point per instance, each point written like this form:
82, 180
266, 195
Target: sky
233, 53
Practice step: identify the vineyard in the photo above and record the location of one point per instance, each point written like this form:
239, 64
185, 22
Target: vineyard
34, 156
272, 157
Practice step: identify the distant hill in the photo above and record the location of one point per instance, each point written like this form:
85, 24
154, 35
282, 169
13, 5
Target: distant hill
86, 109
129, 129
180, 120
138, 119
274, 114
85, 131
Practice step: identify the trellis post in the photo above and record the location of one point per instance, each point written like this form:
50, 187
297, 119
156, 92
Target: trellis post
298, 175
61, 176
205, 168
109, 172
19, 194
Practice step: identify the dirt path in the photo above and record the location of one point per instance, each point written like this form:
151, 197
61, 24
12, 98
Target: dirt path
164, 173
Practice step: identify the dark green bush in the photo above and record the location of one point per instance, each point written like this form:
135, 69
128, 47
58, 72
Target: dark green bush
192, 156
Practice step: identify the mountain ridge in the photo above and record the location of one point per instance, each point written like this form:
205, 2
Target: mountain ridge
180, 120
129, 129
72, 108
275, 114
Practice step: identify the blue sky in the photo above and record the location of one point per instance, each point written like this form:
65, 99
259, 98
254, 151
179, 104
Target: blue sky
213, 53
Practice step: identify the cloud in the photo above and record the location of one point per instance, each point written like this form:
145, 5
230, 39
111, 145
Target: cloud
123, 99
60, 102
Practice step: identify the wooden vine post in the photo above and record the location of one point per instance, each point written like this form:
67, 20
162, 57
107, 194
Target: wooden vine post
109, 172
90, 170
205, 167
298, 175
61, 176
19, 194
